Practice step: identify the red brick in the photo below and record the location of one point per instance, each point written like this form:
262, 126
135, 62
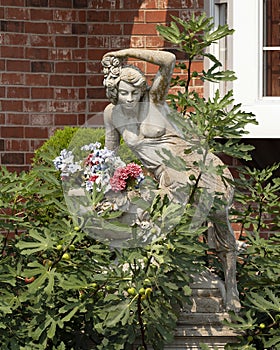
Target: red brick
12, 26
37, 53
150, 4
42, 40
19, 3
67, 106
80, 3
96, 93
42, 93
36, 132
18, 39
154, 42
65, 119
41, 119
66, 15
98, 16
17, 145
17, 13
60, 28
18, 92
36, 143
2, 64
17, 119
12, 158
12, 52
105, 29
129, 4
79, 29
82, 94
36, 106
3, 92
106, 4
97, 106
155, 16
97, 54
82, 40
18, 65
96, 80
2, 117
78, 55
36, 79
127, 16
120, 41
137, 28
11, 106
95, 118
66, 67
137, 41
29, 157
79, 80
81, 67
81, 119
66, 41
60, 3
82, 15
36, 27
42, 66
65, 94
12, 79
18, 168
61, 54
41, 14
60, 80
10, 131
37, 3
99, 41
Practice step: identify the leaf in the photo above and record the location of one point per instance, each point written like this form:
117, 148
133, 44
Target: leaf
271, 342
42, 242
117, 313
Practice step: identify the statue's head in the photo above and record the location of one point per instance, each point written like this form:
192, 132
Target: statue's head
114, 74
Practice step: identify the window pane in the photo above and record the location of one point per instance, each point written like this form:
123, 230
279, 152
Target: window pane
271, 23
272, 73
271, 57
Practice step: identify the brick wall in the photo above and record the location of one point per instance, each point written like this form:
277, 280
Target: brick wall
50, 62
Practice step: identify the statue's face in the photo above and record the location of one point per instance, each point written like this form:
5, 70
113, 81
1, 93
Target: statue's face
128, 95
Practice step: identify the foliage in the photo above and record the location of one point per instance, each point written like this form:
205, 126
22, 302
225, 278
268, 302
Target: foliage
61, 290
258, 212
216, 118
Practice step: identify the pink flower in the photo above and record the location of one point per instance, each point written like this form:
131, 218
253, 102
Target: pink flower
133, 170
117, 184
122, 176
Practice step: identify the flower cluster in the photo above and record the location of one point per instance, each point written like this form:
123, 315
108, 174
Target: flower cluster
100, 169
126, 177
65, 163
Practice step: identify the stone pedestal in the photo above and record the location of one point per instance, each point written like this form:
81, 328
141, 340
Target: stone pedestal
202, 321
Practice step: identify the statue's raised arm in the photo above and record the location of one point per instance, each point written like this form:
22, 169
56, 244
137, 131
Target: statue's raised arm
164, 59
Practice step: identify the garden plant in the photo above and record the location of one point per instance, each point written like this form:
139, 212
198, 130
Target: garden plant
61, 289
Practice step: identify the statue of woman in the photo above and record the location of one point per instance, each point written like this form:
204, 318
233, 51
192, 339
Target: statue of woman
139, 113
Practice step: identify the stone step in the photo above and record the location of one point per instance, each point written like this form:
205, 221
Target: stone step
201, 322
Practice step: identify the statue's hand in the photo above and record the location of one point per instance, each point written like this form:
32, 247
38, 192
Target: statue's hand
117, 54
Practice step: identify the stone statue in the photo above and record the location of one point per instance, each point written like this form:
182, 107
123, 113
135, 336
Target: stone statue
139, 113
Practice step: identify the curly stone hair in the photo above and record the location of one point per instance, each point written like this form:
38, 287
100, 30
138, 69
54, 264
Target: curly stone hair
114, 72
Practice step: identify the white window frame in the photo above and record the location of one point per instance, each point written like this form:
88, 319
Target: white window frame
245, 58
